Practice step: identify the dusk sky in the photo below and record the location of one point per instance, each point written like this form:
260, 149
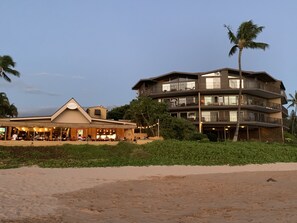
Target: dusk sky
95, 50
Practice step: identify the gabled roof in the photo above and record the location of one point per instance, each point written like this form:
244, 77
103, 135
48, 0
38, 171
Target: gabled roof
71, 105
59, 118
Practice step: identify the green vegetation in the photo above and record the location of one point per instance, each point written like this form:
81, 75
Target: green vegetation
292, 119
167, 152
6, 67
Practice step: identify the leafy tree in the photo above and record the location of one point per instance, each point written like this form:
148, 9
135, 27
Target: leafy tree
7, 109
117, 113
293, 104
6, 67
145, 112
244, 38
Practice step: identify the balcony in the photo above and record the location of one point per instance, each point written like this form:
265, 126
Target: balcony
247, 118
192, 86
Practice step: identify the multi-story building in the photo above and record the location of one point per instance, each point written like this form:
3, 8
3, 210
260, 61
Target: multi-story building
210, 101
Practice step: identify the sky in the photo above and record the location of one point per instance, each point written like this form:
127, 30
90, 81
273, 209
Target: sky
95, 51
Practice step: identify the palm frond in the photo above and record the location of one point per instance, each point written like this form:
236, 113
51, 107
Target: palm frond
3, 74
257, 45
231, 35
12, 71
233, 50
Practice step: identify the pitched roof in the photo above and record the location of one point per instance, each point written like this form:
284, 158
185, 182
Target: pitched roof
261, 75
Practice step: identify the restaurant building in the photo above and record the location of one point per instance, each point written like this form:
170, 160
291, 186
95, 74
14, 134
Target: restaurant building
69, 123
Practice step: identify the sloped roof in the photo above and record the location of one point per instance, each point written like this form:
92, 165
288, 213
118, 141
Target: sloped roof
157, 78
261, 75
71, 105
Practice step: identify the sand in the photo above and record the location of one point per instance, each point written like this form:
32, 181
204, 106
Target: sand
251, 193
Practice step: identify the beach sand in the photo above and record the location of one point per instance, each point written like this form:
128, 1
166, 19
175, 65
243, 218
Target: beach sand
251, 193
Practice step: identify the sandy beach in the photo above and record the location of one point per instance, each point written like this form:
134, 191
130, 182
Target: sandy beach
251, 193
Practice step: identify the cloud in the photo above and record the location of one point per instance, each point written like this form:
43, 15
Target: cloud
34, 90
57, 75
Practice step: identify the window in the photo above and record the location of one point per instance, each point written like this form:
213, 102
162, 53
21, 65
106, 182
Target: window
221, 100
173, 102
216, 74
174, 115
233, 116
97, 112
208, 100
190, 85
214, 116
182, 86
166, 87
184, 115
174, 87
191, 101
192, 116
210, 116
233, 100
205, 116
213, 83
182, 101
234, 83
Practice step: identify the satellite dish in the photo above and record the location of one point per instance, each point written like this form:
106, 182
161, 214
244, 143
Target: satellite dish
72, 106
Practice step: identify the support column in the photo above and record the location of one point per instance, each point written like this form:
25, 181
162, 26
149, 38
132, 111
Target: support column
199, 112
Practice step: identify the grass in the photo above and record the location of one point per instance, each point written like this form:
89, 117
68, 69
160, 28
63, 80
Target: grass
168, 152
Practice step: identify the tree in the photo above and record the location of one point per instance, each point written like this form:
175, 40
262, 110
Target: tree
145, 112
6, 67
293, 104
117, 113
12, 111
244, 38
7, 109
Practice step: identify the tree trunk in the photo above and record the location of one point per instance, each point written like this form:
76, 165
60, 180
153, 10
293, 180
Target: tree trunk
235, 138
148, 124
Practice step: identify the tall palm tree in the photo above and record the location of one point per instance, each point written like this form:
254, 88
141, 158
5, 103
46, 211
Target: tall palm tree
293, 104
244, 38
6, 67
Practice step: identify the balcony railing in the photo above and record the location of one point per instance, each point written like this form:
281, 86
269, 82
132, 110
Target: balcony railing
193, 85
246, 118
268, 105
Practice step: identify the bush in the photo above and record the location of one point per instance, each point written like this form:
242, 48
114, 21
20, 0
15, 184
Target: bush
180, 129
290, 138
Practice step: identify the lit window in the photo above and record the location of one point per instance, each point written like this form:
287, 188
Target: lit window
213, 83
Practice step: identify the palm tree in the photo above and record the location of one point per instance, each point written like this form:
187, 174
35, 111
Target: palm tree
12, 111
6, 67
7, 109
293, 104
4, 104
244, 38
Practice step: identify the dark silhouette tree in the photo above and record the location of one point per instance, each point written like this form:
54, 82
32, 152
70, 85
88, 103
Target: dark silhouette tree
293, 104
6, 67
